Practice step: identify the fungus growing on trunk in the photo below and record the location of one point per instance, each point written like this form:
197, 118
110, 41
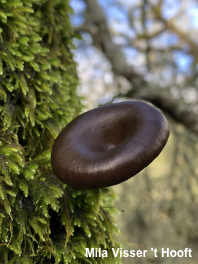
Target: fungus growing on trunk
109, 144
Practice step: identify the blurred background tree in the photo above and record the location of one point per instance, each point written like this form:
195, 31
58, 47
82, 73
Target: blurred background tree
148, 49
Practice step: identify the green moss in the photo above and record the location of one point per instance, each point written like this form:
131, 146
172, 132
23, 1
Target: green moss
41, 219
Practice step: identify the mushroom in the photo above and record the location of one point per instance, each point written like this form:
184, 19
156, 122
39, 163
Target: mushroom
108, 145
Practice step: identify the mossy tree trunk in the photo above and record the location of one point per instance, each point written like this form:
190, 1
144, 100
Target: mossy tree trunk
41, 219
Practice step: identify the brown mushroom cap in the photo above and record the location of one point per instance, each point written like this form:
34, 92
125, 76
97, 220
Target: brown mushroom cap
109, 144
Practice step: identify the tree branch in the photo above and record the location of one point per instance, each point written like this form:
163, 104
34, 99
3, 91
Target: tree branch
140, 87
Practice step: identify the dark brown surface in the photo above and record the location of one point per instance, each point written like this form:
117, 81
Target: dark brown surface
109, 144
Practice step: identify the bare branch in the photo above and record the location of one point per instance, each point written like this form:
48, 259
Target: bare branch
140, 87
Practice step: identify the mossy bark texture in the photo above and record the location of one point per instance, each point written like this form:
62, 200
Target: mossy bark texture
41, 219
